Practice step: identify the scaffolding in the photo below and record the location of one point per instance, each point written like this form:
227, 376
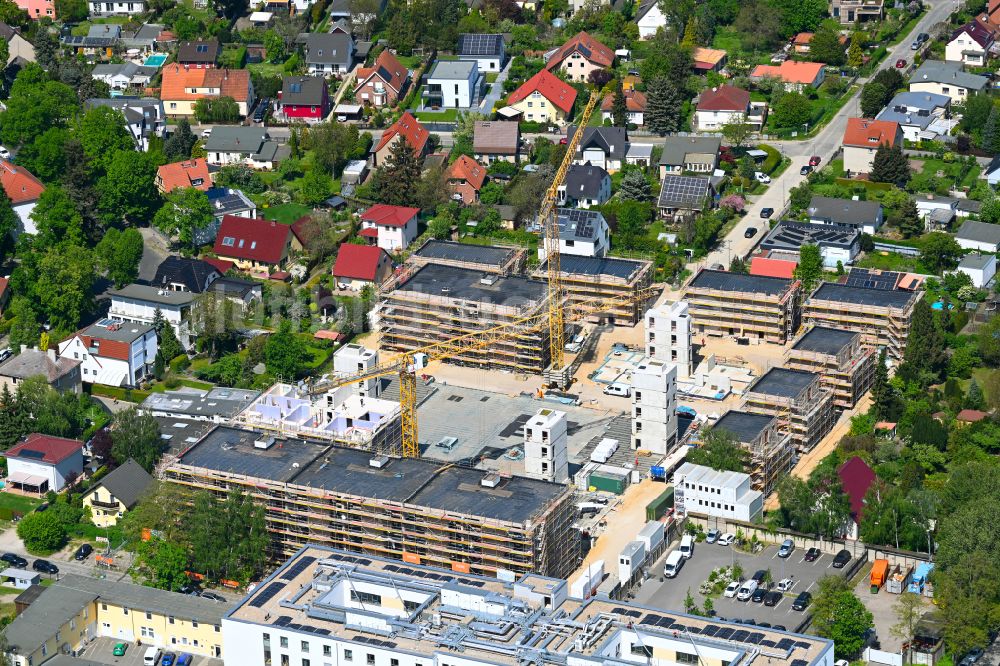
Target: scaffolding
881, 326
773, 318
582, 287
847, 375
806, 417
771, 455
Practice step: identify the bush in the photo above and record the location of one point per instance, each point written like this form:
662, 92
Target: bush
180, 363
42, 533
6, 514
119, 393
772, 160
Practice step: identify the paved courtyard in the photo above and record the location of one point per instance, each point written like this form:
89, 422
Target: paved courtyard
99, 650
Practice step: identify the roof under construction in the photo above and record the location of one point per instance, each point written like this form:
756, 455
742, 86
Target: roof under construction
825, 340
740, 282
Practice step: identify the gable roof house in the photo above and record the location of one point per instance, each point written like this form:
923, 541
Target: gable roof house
486, 50
465, 178
605, 147
255, 245
579, 56
61, 373
635, 106
382, 83
113, 353
946, 78
794, 75
649, 18
181, 87
189, 173
117, 7
304, 98
37, 9
184, 274
862, 139
921, 115
199, 54
360, 265
725, 104
23, 190
708, 60
682, 195
544, 98
864, 215
391, 228
237, 144
980, 236
144, 118
116, 493
585, 185
970, 45
100, 40
124, 76
40, 463
17, 46
329, 52
496, 141
689, 153
408, 129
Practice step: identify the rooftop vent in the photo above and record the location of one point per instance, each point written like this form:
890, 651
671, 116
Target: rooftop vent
264, 443
378, 462
490, 480
488, 280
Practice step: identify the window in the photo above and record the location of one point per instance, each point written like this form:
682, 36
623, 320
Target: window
283, 641
305, 646
685, 658
170, 620
284, 660
370, 659
327, 651
366, 598
149, 616
194, 624
228, 241
641, 650
305, 662
124, 610
394, 662
348, 655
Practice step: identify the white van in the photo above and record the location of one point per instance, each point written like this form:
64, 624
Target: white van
672, 566
747, 590
687, 546
151, 656
624, 390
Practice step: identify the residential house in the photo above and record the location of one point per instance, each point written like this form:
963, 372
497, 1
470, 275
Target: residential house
391, 228
101, 8
199, 54
259, 246
851, 12
635, 107
946, 78
992, 172
970, 45
801, 41
40, 463
980, 236
61, 373
408, 129
486, 50
227, 201
116, 493
122, 77
37, 9
382, 83
649, 18
23, 190
144, 118
139, 303
17, 46
921, 115
304, 99
243, 293
147, 38
330, 53
708, 60
585, 185
580, 56
605, 147
792, 74
452, 84
185, 274
100, 41
990, 19
465, 178
181, 87
189, 173
727, 104
866, 216
862, 139
496, 141
681, 196
237, 144
936, 211
113, 353
856, 477
584, 233
358, 266
837, 245
544, 98
981, 269
689, 153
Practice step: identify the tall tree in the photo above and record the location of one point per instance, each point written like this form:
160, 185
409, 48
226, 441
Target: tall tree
737, 131
127, 190
619, 108
855, 52
35, 104
663, 107
825, 46
890, 165
720, 450
840, 616
635, 186
78, 182
56, 219
285, 353
885, 403
63, 285
184, 212
810, 268
102, 133
924, 357
9, 223
179, 145
119, 254
136, 435
907, 220
759, 24
395, 182
940, 251
872, 99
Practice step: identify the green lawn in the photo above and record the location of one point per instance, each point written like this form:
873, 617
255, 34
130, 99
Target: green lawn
18, 503
409, 62
982, 376
267, 69
161, 387
284, 213
891, 261
727, 39
444, 116
491, 77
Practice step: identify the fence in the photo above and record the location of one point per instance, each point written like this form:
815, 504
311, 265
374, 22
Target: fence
882, 657
905, 250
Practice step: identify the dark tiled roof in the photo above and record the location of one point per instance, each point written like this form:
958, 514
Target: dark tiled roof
127, 483
194, 274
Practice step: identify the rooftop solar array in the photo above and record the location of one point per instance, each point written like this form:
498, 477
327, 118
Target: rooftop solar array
374, 641
267, 594
479, 45
298, 567
430, 575
684, 191
793, 235
872, 279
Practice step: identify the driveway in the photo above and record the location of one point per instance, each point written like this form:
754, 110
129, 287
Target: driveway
154, 251
496, 90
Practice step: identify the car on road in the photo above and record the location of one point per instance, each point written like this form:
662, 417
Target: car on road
762, 177
746, 590
732, 589
841, 559
45, 566
759, 575
212, 595
805, 170
765, 213
726, 539
750, 232
712, 536
83, 552
901, 63
812, 554
14, 560
815, 160
261, 113
772, 598
802, 601
169, 659
972, 657
119, 649
787, 546
785, 584
758, 595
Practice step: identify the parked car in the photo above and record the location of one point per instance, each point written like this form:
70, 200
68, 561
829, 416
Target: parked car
766, 212
6, 353
750, 232
212, 595
805, 170
119, 649
184, 659
812, 554
787, 546
83, 552
169, 659
901, 63
746, 590
972, 657
712, 536
261, 113
841, 559
758, 595
802, 601
815, 160
14, 560
44, 566
762, 177
726, 539
759, 575
785, 584
772, 598
732, 589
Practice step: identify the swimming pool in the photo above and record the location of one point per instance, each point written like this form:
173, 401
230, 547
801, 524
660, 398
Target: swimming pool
156, 60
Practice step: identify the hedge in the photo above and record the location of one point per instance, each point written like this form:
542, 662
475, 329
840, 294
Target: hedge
867, 184
119, 393
772, 160
180, 363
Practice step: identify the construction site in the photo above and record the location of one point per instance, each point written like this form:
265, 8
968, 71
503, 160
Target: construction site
771, 451
747, 306
845, 364
586, 279
804, 409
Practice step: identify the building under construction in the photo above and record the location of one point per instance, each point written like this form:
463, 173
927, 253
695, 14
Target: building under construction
409, 509
882, 316
736, 304
770, 448
804, 408
588, 279
845, 363
499, 259
438, 302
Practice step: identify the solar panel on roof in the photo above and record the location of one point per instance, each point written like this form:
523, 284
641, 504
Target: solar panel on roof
800, 662
479, 44
266, 595
298, 567
766, 643
740, 636
650, 618
283, 620
710, 630
755, 637
785, 644
725, 632
31, 453
803, 645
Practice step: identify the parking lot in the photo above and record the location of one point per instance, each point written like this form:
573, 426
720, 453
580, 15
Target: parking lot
100, 650
671, 592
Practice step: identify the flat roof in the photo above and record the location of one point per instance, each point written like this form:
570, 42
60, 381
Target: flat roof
783, 382
788, 235
977, 261
830, 291
142, 292
825, 340
492, 255
745, 426
580, 265
232, 450
740, 282
219, 401
465, 284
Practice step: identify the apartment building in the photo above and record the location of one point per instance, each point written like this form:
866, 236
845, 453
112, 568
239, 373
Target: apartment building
882, 316
654, 406
499, 259
771, 450
803, 407
415, 510
329, 606
618, 283
668, 336
438, 302
845, 364
734, 304
700, 489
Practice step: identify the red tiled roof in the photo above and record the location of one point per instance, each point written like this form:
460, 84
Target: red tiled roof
467, 169
388, 69
634, 101
19, 184
358, 262
724, 98
370, 232
183, 174
410, 129
252, 239
856, 477
49, 449
790, 71
4, 283
589, 48
560, 93
864, 133
178, 80
802, 38
971, 416
220, 265
780, 268
384, 215
324, 334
